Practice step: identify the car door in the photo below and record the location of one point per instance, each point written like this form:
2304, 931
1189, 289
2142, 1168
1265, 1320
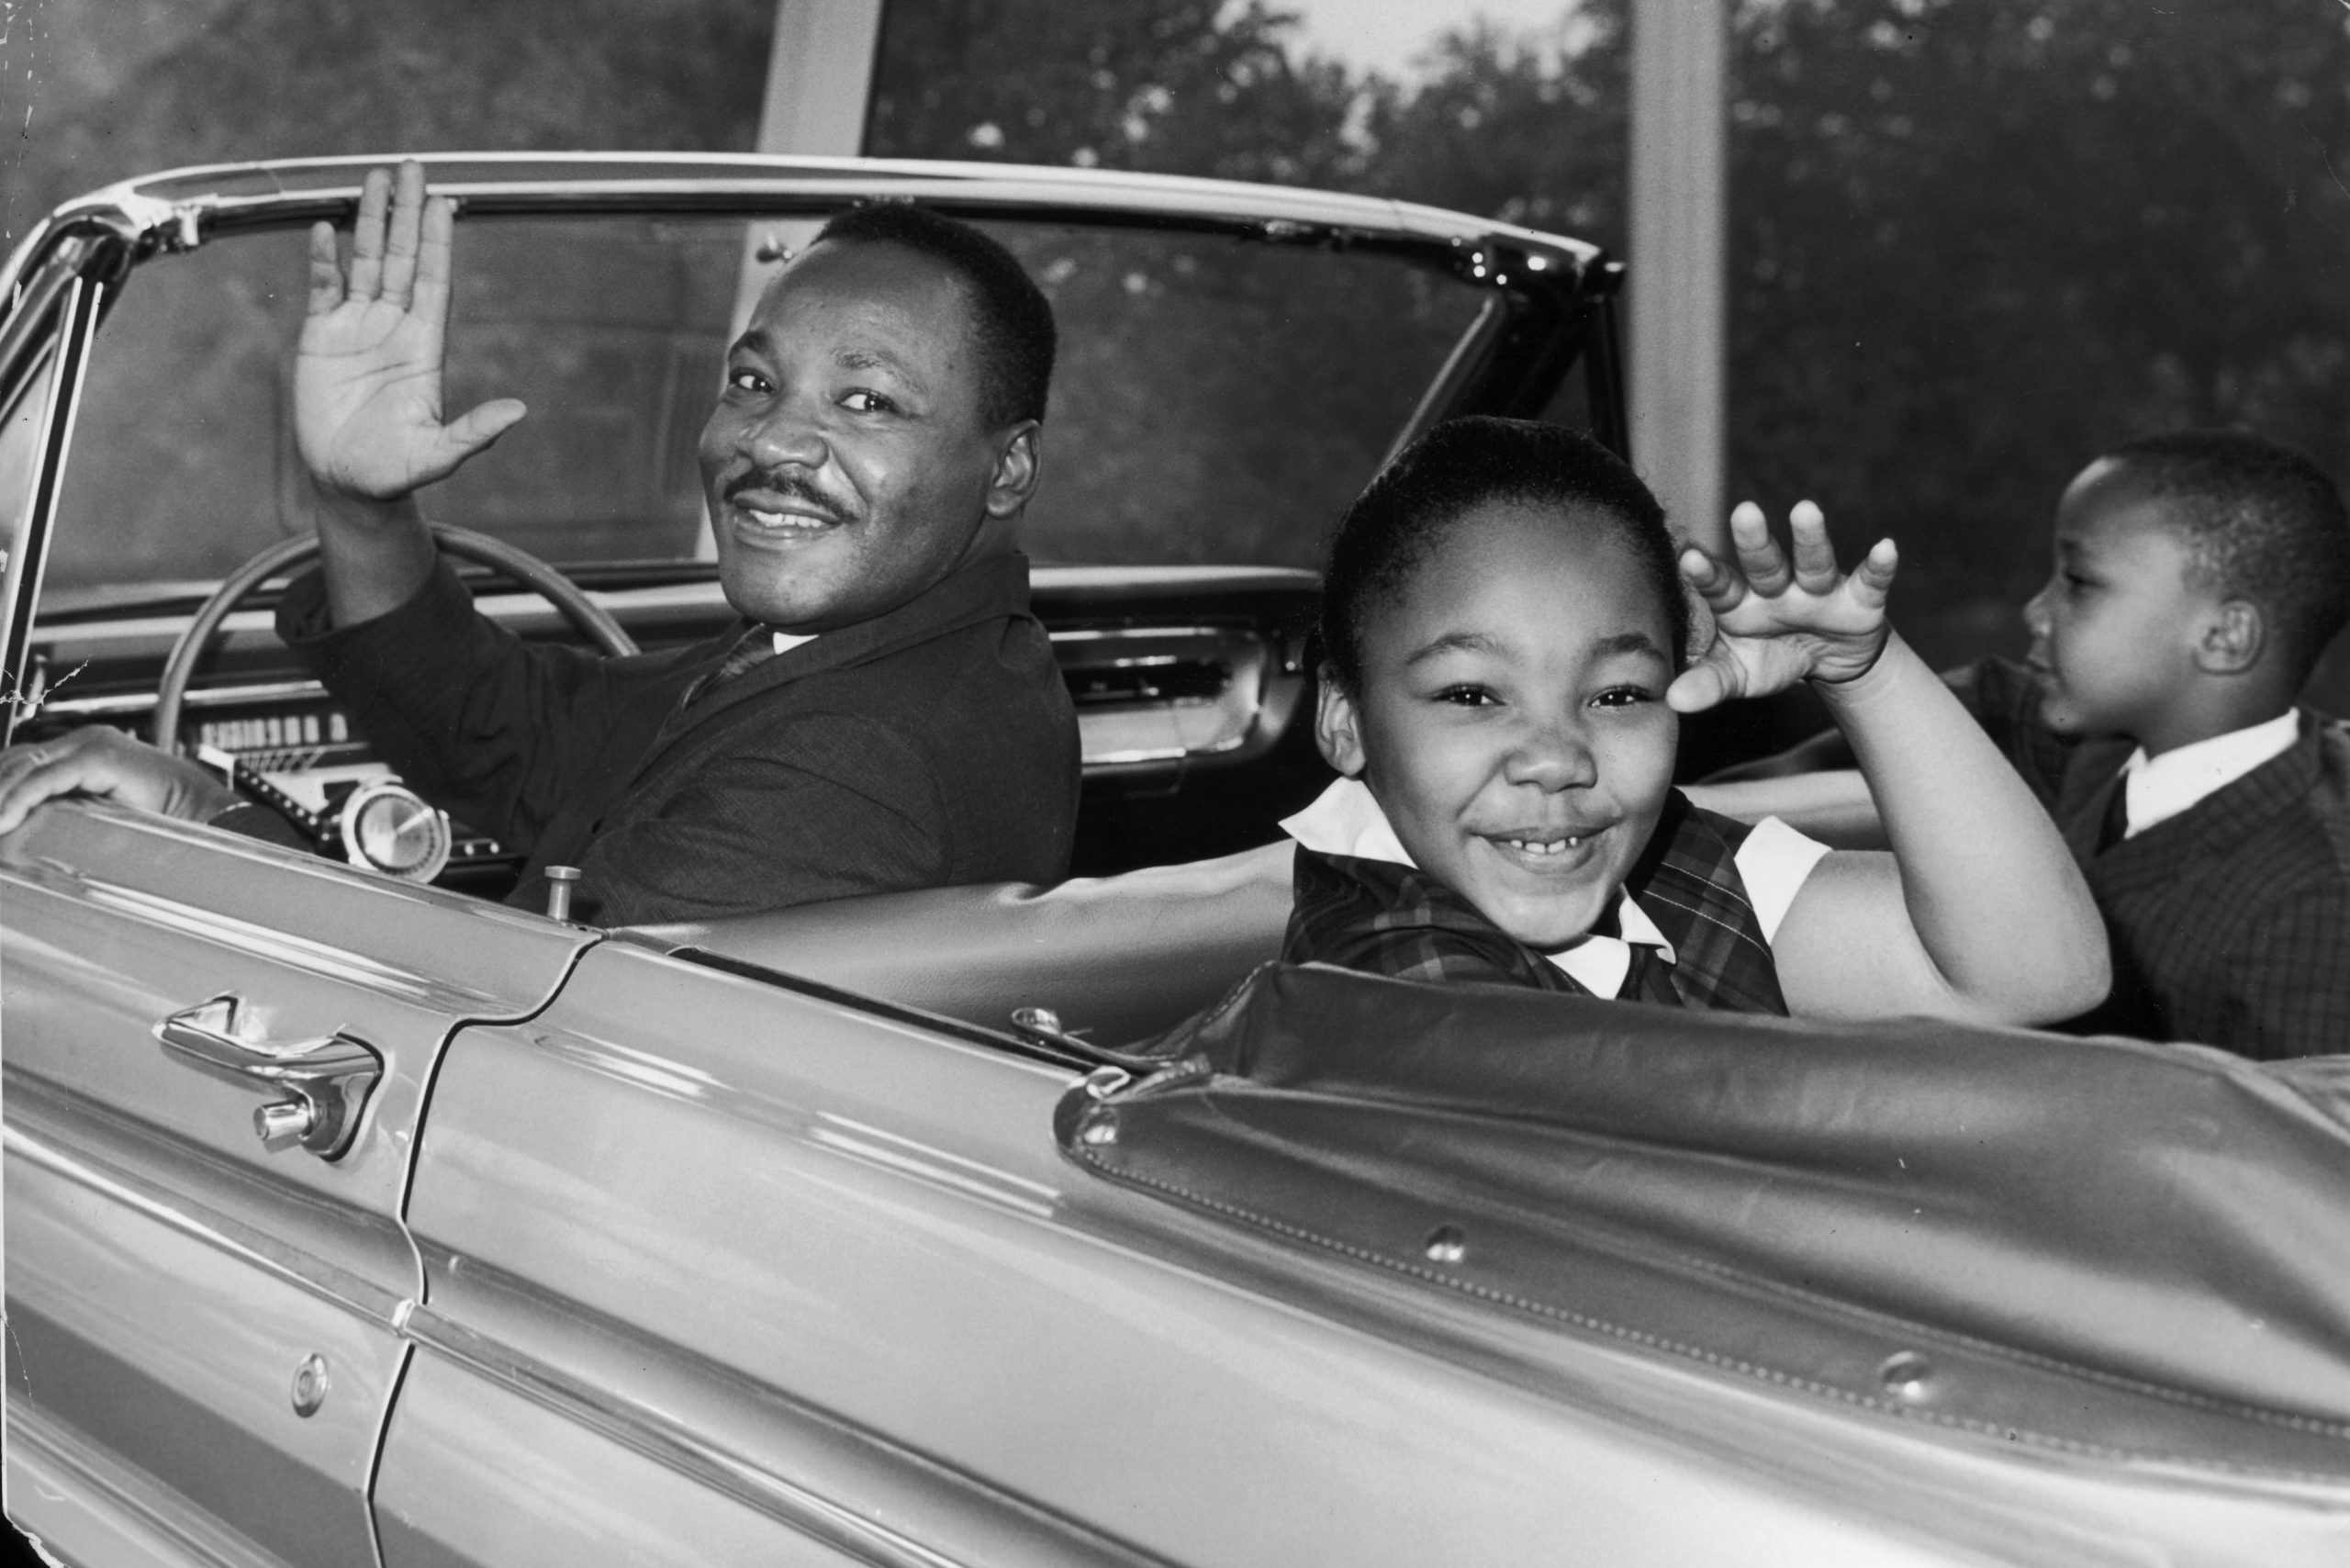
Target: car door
726, 1266
216, 1053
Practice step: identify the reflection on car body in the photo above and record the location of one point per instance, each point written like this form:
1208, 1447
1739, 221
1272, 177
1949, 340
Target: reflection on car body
773, 1238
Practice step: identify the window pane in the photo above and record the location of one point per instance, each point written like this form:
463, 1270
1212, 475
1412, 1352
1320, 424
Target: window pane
20, 448
612, 332
1216, 401
1220, 401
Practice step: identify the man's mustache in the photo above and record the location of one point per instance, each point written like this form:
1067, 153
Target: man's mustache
791, 485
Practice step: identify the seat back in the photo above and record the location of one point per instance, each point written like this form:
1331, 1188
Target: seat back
1124, 957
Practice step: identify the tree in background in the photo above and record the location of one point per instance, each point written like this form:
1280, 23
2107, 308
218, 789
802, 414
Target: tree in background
1976, 241
1973, 241
1177, 86
108, 89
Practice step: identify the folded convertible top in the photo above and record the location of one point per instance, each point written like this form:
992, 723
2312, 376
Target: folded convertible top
2102, 1247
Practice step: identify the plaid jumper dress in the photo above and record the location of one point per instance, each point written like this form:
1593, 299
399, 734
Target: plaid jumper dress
1398, 921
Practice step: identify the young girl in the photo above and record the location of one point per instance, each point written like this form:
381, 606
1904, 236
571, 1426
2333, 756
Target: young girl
1509, 652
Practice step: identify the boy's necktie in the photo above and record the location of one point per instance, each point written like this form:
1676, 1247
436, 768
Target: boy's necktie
1649, 979
2114, 826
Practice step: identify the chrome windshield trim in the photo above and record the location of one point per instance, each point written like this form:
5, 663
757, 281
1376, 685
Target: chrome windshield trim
174, 210
151, 198
78, 306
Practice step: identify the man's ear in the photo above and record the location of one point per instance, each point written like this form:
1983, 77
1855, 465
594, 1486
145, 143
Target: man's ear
1338, 726
2235, 635
1016, 469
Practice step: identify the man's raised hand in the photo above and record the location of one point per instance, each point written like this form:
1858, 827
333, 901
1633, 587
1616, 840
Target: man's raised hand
1777, 623
367, 413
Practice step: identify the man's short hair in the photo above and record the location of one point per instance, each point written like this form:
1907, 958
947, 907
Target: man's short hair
1010, 316
2263, 522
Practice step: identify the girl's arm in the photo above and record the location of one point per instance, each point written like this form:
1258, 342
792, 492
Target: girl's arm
1979, 912
1833, 807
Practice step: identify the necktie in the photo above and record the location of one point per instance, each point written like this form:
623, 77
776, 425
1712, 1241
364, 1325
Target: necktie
755, 647
1649, 979
2114, 826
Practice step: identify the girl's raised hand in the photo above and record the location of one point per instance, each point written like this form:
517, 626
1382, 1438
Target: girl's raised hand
1777, 623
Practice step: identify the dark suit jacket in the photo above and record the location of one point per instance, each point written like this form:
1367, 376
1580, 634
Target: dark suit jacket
2231, 921
932, 744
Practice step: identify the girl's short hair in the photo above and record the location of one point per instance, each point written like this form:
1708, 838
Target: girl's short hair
1397, 523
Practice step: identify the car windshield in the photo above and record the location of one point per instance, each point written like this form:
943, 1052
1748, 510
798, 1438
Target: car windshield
1217, 400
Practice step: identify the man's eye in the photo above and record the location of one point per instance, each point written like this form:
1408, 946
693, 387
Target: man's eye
865, 402
746, 381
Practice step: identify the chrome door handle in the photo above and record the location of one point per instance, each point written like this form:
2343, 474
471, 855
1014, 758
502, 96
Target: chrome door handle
328, 1080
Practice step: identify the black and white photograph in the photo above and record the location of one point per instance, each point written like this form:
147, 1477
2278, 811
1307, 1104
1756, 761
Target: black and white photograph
1177, 783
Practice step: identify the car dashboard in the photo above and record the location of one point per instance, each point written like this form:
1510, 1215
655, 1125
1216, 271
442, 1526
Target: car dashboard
1188, 682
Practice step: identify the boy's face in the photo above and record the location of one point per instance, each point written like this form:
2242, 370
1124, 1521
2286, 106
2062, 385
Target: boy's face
1512, 720
2114, 633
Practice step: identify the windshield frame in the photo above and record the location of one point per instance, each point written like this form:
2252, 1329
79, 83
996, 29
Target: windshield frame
1554, 294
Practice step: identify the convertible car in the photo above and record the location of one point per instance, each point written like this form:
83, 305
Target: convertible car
354, 1217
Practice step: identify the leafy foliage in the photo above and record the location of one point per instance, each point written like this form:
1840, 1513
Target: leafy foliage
1971, 242
127, 88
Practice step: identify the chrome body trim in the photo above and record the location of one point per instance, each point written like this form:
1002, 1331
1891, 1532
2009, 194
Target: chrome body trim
657, 1436
256, 1250
63, 1486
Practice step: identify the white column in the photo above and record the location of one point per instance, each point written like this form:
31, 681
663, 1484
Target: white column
1676, 290
820, 70
820, 74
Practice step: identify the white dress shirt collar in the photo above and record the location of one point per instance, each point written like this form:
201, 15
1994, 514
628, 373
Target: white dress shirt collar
2159, 788
1345, 818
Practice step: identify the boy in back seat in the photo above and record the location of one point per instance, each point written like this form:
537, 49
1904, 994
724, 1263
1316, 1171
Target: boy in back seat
2199, 575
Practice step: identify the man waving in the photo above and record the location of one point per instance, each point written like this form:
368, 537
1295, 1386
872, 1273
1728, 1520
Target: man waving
887, 714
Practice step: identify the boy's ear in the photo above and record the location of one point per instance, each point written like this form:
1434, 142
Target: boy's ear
2235, 637
1338, 726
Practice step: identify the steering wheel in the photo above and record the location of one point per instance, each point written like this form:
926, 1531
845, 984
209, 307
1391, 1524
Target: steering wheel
587, 618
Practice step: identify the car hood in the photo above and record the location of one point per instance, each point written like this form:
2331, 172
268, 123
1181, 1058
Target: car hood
2098, 1247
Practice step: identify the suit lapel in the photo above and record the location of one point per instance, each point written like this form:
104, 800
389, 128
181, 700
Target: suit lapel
2212, 827
991, 589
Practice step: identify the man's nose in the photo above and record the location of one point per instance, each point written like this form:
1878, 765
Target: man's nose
1554, 755
784, 437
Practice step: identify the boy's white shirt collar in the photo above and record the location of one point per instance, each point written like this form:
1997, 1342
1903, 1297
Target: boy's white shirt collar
1347, 820
2157, 789
785, 641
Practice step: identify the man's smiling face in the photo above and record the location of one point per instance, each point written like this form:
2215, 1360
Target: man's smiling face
1512, 722
847, 465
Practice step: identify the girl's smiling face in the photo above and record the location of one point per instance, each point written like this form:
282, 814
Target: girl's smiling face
1511, 718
